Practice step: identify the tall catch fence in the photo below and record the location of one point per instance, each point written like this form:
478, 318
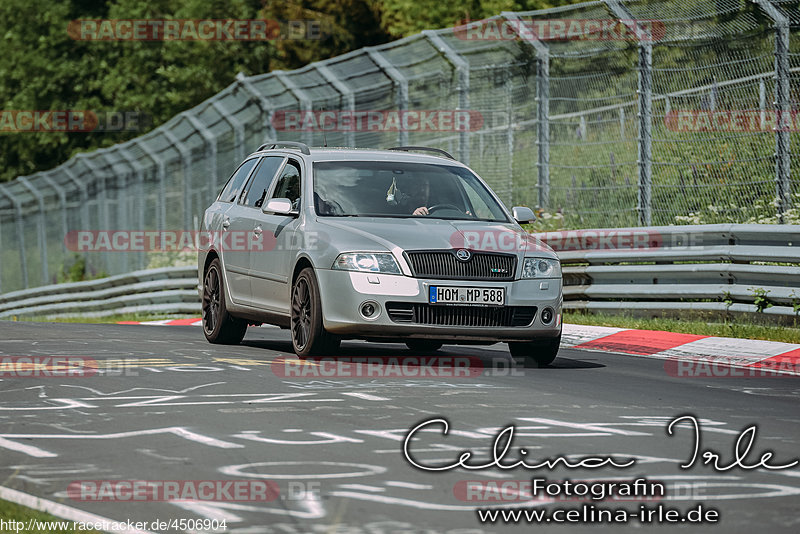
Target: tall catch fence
650, 124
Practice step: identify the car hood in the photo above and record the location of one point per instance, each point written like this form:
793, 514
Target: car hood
423, 233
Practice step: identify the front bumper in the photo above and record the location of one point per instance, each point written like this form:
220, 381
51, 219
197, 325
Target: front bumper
343, 292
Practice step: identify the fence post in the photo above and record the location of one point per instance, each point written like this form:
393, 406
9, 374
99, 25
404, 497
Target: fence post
645, 91
1, 248
123, 222
645, 133
462, 70
347, 95
542, 106
23, 261
138, 170
186, 169
62, 199
762, 102
161, 170
401, 94
41, 234
263, 103
98, 176
305, 103
238, 131
84, 195
783, 185
211, 146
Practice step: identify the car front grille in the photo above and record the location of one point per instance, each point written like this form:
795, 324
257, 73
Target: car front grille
444, 264
479, 316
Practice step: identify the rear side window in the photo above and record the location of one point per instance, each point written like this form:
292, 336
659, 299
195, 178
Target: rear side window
262, 180
234, 186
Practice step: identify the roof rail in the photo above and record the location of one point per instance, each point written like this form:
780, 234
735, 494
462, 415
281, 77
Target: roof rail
286, 144
423, 149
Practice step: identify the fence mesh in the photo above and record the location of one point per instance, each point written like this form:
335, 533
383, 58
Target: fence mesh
595, 129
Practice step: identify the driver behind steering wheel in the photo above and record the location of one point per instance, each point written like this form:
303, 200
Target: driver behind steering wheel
422, 197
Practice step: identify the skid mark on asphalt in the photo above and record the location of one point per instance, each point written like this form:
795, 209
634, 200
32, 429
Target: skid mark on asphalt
130, 390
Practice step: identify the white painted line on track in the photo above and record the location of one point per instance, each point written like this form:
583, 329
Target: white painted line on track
367, 396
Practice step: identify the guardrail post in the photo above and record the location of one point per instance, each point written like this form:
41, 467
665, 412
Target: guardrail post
645, 91
401, 90
305, 103
263, 103
41, 234
462, 70
542, 107
23, 262
347, 95
783, 184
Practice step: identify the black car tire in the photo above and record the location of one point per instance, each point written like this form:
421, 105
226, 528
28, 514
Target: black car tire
219, 326
309, 337
540, 353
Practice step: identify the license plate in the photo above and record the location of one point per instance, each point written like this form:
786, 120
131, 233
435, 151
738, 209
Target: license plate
488, 296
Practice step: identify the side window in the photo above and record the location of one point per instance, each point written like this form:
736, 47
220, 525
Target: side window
288, 185
262, 179
234, 186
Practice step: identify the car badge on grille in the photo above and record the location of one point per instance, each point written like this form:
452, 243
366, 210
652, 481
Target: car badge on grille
499, 270
463, 254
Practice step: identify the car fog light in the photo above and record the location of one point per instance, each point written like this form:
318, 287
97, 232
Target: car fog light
547, 315
370, 310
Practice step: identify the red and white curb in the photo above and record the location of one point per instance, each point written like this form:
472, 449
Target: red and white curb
708, 355
698, 355
194, 321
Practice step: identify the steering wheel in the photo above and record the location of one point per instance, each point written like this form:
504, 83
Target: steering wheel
444, 207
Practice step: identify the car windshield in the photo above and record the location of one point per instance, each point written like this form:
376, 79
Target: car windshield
395, 189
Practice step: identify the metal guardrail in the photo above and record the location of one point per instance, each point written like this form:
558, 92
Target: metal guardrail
709, 268
165, 290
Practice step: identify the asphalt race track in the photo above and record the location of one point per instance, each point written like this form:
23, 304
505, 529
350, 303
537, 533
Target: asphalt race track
167, 406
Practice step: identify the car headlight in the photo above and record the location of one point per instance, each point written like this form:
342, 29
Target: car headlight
367, 262
541, 268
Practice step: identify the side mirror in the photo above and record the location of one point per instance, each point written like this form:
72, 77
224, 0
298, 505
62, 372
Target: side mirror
280, 206
523, 214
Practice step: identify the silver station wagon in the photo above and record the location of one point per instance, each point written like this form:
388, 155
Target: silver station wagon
383, 245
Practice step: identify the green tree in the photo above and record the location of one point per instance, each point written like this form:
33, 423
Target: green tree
43, 68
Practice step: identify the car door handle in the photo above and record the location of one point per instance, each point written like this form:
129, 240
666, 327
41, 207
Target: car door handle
226, 224
257, 230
